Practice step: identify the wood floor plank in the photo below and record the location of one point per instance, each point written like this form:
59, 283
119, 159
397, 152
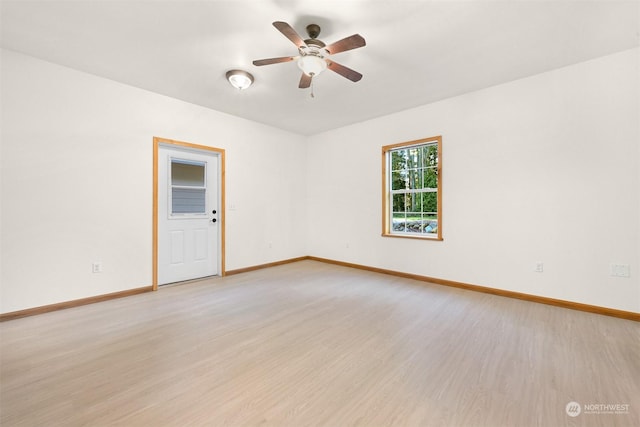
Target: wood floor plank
310, 343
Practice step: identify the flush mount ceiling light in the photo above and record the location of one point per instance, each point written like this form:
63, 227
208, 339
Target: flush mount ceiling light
239, 79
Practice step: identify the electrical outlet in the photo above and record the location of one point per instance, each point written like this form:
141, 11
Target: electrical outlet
539, 268
619, 270
96, 267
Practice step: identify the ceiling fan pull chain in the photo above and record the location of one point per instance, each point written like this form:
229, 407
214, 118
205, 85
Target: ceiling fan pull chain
312, 95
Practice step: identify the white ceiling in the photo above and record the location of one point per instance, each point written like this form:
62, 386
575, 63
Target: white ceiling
417, 52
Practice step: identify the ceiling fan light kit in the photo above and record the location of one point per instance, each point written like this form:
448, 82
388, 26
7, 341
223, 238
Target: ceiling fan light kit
312, 65
314, 53
239, 79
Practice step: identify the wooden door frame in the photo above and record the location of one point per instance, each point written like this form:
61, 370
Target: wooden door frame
157, 141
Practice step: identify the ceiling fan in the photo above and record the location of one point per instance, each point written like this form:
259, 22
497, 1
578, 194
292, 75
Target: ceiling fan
313, 53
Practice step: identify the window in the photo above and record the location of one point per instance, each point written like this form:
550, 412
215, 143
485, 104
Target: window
411, 189
188, 188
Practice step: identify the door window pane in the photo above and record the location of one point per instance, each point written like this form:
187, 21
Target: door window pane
187, 174
188, 189
188, 201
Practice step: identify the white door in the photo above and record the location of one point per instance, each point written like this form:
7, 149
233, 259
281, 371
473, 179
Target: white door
187, 214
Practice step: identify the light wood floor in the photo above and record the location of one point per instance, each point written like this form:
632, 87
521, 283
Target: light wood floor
315, 344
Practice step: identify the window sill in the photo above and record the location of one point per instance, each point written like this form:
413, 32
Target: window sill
415, 237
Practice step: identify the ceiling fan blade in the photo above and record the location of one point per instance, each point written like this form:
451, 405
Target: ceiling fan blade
289, 33
305, 81
348, 43
269, 61
352, 75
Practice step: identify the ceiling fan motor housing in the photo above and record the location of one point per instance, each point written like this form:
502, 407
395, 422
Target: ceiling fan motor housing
315, 43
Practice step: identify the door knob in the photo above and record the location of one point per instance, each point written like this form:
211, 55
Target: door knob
214, 211
214, 220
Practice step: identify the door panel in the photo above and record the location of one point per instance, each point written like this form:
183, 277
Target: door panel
176, 244
201, 236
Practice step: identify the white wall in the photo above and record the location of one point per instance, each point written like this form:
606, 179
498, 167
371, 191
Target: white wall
76, 160
543, 169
